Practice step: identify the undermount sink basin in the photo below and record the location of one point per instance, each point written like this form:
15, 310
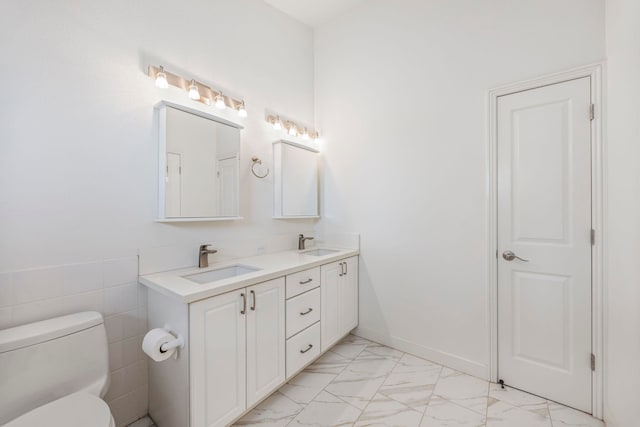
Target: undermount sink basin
220, 273
320, 252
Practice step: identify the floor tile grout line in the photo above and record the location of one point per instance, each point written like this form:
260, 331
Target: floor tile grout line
378, 389
342, 400
486, 409
431, 396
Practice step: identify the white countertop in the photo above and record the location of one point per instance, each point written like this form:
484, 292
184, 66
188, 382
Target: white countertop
172, 284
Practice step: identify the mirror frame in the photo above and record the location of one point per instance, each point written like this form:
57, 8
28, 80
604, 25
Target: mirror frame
161, 112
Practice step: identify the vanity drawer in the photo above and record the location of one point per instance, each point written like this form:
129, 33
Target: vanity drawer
302, 349
302, 281
302, 311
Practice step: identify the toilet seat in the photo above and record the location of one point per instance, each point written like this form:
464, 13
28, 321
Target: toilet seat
75, 410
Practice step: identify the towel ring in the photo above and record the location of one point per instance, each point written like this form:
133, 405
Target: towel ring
257, 161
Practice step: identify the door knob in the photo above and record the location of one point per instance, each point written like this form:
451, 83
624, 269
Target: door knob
510, 256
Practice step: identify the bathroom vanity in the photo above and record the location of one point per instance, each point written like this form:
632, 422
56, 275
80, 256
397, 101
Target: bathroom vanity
248, 325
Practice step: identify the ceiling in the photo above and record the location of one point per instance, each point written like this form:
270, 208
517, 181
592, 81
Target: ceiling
314, 12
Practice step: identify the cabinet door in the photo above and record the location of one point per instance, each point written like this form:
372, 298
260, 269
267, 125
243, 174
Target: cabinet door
217, 357
265, 339
329, 304
348, 299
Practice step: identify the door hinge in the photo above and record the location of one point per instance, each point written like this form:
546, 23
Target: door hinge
592, 111
593, 362
593, 237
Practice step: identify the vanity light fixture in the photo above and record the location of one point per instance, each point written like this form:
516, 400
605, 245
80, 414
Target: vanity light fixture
161, 79
241, 110
292, 128
277, 124
194, 93
220, 101
197, 91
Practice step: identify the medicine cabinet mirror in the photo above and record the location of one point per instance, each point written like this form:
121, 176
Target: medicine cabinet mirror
295, 180
199, 158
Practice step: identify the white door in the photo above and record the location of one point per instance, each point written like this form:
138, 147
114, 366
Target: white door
265, 339
329, 305
544, 217
348, 300
217, 359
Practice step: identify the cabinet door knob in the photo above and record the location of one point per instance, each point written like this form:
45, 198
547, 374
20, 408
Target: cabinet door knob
306, 312
308, 348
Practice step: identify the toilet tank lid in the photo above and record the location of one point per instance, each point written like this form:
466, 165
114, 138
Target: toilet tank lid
45, 330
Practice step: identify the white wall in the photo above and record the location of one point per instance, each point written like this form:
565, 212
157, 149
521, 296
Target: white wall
623, 214
401, 100
78, 161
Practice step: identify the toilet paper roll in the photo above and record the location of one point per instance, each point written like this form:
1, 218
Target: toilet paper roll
152, 342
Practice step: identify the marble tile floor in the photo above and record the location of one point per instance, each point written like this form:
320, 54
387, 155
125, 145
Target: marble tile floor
362, 383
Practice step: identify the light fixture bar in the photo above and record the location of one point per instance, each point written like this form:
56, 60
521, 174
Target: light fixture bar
292, 128
208, 96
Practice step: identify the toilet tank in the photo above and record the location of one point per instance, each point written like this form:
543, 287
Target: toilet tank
43, 361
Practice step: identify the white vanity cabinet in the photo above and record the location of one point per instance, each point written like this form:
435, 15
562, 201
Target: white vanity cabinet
339, 300
237, 351
243, 343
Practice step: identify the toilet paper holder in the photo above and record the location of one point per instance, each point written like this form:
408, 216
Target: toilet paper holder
176, 343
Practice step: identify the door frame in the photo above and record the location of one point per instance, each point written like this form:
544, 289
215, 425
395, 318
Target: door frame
596, 72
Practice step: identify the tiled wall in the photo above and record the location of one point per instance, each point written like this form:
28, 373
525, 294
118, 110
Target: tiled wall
108, 286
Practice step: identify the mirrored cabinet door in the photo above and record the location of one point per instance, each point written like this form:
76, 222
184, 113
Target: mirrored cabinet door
198, 165
295, 180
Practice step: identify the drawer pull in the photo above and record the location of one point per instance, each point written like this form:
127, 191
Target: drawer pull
304, 282
308, 348
306, 312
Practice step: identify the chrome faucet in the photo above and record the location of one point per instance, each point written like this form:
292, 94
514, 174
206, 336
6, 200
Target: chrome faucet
301, 240
203, 258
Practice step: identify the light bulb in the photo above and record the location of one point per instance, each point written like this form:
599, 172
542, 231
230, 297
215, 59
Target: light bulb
292, 130
220, 101
161, 79
193, 91
277, 125
305, 134
242, 112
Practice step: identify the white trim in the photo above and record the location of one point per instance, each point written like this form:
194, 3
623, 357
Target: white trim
595, 72
296, 144
205, 115
449, 360
200, 219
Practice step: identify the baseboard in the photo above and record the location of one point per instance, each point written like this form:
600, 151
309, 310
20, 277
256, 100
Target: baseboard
446, 359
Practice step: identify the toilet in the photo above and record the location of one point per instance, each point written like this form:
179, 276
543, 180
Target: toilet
53, 373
